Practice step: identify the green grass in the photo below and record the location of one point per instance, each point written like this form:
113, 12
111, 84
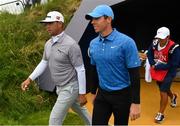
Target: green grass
7, 121
22, 41
41, 118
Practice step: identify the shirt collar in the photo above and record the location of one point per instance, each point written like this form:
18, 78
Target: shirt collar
57, 37
110, 37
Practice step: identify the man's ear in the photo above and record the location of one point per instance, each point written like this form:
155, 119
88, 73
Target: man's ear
109, 19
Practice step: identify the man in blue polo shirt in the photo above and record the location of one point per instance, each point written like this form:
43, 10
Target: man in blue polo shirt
117, 62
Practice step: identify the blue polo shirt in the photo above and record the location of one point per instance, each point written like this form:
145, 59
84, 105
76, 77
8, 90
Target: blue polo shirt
113, 56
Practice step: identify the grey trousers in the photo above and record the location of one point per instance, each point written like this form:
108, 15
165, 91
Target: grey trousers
67, 98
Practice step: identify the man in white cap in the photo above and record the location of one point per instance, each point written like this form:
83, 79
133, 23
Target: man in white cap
163, 58
63, 57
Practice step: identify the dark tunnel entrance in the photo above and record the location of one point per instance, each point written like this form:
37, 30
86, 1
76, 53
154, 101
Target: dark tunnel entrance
139, 19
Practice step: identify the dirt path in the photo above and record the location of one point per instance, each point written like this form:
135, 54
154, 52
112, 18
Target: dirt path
150, 105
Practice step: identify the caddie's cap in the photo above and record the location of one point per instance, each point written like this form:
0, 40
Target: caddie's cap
162, 33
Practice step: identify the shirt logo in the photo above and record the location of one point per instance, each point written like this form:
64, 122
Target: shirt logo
113, 47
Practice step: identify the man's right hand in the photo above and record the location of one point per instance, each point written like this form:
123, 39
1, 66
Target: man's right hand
25, 84
142, 56
93, 98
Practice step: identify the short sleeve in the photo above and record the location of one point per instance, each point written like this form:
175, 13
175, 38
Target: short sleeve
90, 54
44, 56
75, 55
47, 49
132, 57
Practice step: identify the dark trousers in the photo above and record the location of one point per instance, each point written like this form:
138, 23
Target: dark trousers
116, 102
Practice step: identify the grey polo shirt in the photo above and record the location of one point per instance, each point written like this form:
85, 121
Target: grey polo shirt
63, 56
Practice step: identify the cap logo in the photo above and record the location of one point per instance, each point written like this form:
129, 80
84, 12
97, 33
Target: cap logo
57, 17
48, 16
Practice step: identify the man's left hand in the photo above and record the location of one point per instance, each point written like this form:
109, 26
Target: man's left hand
135, 111
82, 99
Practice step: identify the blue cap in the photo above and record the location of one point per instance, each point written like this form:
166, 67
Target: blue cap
99, 11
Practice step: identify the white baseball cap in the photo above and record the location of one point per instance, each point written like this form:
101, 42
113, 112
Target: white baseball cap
53, 16
162, 33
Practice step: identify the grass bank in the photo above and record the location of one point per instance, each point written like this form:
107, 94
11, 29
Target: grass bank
22, 40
